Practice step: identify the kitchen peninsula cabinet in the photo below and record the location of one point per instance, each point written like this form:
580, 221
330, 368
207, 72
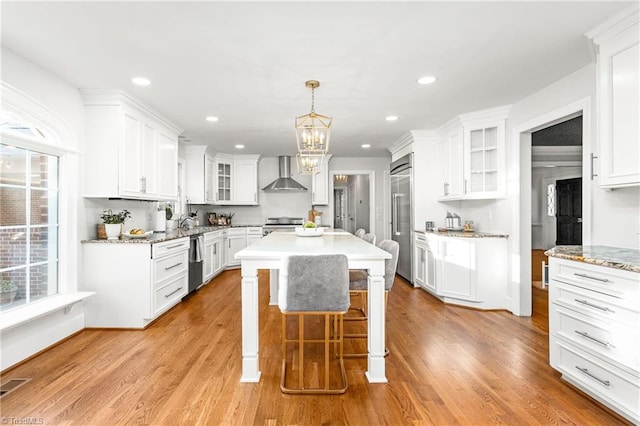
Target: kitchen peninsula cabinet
618, 60
131, 151
134, 282
467, 269
594, 323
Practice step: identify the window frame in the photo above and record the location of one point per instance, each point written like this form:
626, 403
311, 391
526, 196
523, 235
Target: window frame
42, 145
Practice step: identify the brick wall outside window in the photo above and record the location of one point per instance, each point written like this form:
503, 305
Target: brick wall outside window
28, 234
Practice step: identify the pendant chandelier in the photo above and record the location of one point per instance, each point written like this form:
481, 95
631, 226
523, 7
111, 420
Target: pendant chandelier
313, 132
341, 178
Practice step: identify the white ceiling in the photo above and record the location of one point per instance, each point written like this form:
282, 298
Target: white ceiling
247, 62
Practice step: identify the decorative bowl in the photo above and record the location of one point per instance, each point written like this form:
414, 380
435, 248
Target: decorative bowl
309, 232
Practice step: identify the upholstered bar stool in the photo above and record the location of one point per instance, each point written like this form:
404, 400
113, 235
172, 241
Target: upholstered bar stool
358, 285
370, 238
361, 306
314, 286
360, 232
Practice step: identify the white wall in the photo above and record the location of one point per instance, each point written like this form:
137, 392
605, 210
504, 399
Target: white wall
64, 101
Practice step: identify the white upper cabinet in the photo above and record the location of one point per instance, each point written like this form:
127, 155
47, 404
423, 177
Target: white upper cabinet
471, 156
450, 159
221, 179
236, 182
618, 100
320, 184
199, 175
245, 182
131, 151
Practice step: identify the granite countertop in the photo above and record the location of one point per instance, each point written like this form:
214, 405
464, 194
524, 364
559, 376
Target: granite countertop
158, 237
613, 257
462, 234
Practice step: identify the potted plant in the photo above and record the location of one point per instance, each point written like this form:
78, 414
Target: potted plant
8, 292
113, 222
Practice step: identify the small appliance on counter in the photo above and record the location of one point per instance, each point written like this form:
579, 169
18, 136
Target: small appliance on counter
452, 222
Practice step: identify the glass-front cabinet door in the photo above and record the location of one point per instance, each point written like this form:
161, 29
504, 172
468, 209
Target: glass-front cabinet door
223, 182
484, 167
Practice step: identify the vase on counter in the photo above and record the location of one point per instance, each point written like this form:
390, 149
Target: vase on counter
113, 230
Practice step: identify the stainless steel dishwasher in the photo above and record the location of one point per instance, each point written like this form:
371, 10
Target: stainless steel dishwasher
196, 251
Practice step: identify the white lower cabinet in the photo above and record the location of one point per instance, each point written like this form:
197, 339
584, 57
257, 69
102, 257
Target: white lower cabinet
464, 271
236, 241
134, 282
424, 274
594, 332
254, 233
213, 254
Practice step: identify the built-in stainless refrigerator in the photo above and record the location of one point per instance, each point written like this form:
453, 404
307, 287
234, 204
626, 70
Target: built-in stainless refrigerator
402, 212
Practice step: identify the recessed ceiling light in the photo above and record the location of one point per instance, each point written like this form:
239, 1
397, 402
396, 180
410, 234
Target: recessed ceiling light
391, 118
141, 81
239, 146
427, 79
365, 145
212, 118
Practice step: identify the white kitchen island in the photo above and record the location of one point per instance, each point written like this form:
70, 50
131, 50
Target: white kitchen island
269, 252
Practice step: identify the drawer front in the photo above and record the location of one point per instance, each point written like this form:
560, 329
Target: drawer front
210, 236
170, 294
168, 247
254, 230
606, 339
614, 282
618, 389
594, 304
170, 266
236, 231
420, 238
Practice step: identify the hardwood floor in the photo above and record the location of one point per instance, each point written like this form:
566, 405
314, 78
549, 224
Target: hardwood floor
447, 365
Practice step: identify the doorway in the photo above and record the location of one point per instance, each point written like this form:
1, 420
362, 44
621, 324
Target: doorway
352, 200
526, 217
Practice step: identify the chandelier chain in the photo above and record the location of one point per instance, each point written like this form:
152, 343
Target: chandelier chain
313, 99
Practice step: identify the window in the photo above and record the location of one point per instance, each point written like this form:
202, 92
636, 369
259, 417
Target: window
28, 226
551, 199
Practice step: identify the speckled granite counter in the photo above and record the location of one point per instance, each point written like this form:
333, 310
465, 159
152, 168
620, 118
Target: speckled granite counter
613, 257
462, 234
166, 236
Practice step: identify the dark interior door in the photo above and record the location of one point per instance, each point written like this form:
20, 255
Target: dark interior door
569, 212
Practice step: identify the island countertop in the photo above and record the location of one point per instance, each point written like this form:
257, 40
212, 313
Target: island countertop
613, 257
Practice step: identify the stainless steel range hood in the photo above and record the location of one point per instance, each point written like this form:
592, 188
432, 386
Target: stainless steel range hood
284, 182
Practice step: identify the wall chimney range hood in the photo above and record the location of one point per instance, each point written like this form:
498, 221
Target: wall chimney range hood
284, 182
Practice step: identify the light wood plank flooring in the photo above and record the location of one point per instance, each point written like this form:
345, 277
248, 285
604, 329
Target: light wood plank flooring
447, 365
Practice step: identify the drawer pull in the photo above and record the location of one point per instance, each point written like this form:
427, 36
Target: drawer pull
604, 309
173, 246
173, 266
173, 292
602, 280
585, 334
586, 371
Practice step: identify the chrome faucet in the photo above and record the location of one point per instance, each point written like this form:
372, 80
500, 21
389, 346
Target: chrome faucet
185, 222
